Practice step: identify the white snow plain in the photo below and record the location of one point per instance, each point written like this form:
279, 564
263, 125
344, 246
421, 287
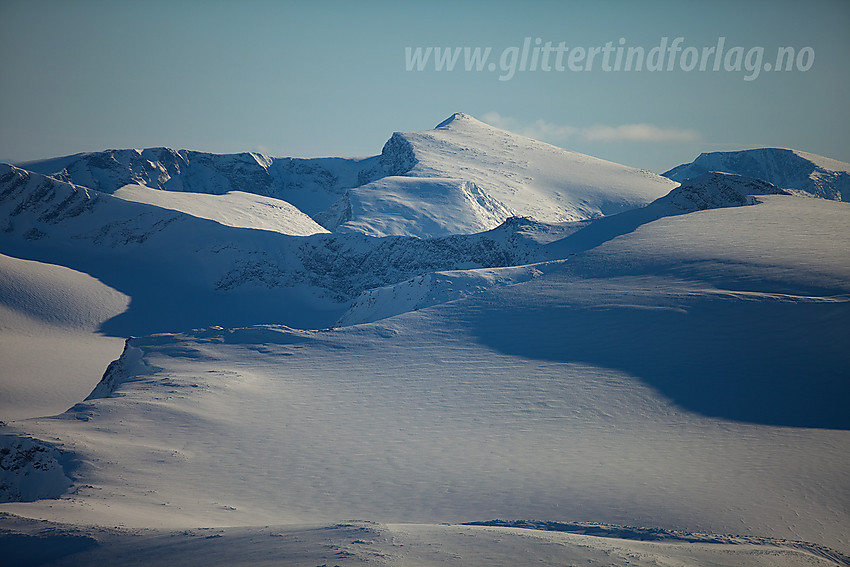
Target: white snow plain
675, 369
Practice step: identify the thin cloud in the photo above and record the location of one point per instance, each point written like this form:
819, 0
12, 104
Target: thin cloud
539, 130
549, 132
638, 133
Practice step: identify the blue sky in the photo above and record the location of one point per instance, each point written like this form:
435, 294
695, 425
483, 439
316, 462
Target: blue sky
329, 78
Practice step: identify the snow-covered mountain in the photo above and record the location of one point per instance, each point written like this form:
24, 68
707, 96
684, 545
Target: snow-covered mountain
469, 326
653, 380
467, 176
460, 178
708, 191
309, 184
218, 268
810, 174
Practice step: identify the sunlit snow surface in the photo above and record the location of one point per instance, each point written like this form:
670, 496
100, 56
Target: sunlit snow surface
49, 346
496, 174
236, 209
671, 368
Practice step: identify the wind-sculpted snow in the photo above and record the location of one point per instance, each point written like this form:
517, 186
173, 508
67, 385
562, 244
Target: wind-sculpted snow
811, 174
50, 348
128, 365
373, 543
569, 398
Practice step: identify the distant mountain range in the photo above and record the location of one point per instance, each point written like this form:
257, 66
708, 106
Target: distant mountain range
462, 177
301, 233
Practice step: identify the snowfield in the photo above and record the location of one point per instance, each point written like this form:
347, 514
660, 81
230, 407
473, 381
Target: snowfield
551, 360
49, 345
236, 209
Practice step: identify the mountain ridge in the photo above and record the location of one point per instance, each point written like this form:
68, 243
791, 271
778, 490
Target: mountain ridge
494, 175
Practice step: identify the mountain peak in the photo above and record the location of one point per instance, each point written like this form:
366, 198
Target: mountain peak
457, 117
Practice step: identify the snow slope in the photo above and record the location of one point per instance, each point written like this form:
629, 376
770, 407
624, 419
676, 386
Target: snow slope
460, 178
184, 271
534, 179
709, 191
360, 542
811, 174
653, 381
415, 206
177, 268
432, 289
237, 209
50, 351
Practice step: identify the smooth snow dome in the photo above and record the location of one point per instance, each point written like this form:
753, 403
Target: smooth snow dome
50, 351
236, 208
